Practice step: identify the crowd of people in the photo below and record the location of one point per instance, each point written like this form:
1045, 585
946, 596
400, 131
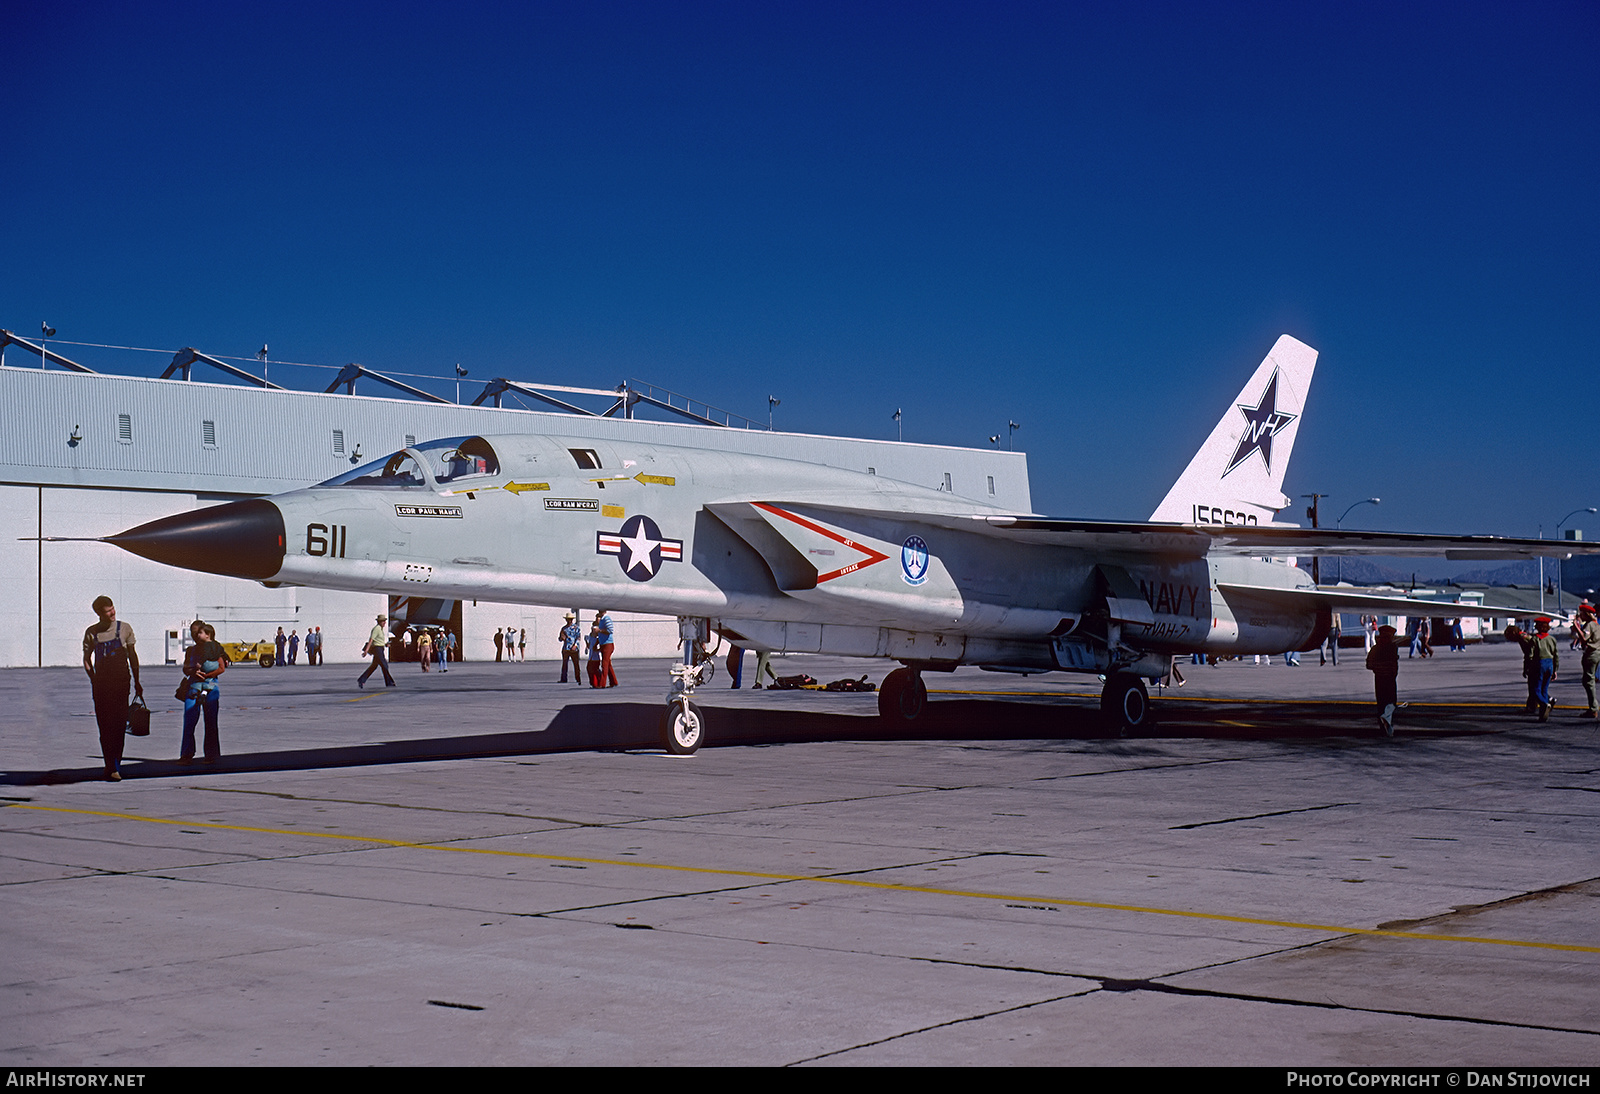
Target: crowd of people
288, 646
111, 660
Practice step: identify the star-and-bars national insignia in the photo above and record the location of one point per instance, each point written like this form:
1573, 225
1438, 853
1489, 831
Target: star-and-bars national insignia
1262, 422
639, 546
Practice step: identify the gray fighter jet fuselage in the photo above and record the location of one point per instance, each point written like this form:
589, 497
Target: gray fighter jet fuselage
784, 555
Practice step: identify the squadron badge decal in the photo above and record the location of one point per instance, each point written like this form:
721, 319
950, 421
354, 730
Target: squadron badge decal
1262, 422
914, 561
639, 546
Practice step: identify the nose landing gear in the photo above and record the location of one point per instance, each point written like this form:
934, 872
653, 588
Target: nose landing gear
683, 726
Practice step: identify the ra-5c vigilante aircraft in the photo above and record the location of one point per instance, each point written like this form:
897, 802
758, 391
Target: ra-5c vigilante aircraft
785, 555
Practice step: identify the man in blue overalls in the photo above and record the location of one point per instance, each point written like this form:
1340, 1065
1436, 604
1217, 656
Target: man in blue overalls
110, 661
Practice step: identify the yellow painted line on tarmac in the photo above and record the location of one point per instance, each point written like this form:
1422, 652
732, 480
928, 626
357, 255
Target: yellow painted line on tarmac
850, 882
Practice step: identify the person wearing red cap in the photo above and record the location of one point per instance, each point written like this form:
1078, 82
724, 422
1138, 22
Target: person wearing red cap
1384, 661
1587, 631
1530, 673
1546, 661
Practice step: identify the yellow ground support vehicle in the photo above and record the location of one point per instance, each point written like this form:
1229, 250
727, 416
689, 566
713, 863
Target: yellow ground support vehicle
264, 652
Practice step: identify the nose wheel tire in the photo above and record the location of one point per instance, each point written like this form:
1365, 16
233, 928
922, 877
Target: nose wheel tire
683, 728
1126, 704
902, 698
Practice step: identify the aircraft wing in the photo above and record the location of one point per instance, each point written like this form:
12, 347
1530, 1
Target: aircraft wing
1198, 540
1359, 600
1275, 540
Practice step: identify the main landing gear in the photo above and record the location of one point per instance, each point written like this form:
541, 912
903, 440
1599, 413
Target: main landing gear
902, 698
1125, 703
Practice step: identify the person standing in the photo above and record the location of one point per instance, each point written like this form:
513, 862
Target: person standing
591, 642
1587, 632
202, 664
1546, 662
736, 666
1524, 642
571, 639
111, 661
1331, 647
522, 644
608, 646
281, 642
294, 646
1384, 662
764, 669
313, 645
378, 646
499, 643
449, 648
425, 650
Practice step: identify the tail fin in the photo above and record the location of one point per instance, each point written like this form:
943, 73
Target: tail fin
1237, 476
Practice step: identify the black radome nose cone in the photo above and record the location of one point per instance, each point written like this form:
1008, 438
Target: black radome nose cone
240, 539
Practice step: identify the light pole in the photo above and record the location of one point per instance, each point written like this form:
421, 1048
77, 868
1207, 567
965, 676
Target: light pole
1316, 560
1338, 525
1011, 435
902, 425
772, 401
1559, 523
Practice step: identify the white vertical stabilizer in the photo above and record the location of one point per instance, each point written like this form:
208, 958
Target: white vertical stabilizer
1237, 476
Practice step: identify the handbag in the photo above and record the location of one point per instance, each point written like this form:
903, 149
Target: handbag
138, 718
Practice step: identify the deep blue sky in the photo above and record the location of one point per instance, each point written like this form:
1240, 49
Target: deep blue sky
1093, 219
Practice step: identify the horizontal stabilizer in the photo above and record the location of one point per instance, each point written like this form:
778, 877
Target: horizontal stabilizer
1359, 600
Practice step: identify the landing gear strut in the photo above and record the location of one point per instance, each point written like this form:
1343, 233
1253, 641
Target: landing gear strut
902, 697
683, 726
1125, 703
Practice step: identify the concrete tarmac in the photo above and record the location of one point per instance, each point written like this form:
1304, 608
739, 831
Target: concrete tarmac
485, 867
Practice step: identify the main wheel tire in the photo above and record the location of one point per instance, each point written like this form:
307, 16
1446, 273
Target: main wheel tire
266, 660
683, 728
1126, 703
902, 698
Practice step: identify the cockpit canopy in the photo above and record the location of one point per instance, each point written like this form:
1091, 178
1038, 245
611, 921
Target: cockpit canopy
445, 463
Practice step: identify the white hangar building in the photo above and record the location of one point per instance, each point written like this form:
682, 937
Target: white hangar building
84, 454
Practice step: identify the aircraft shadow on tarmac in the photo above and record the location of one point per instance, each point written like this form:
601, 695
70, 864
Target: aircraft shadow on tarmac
628, 726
